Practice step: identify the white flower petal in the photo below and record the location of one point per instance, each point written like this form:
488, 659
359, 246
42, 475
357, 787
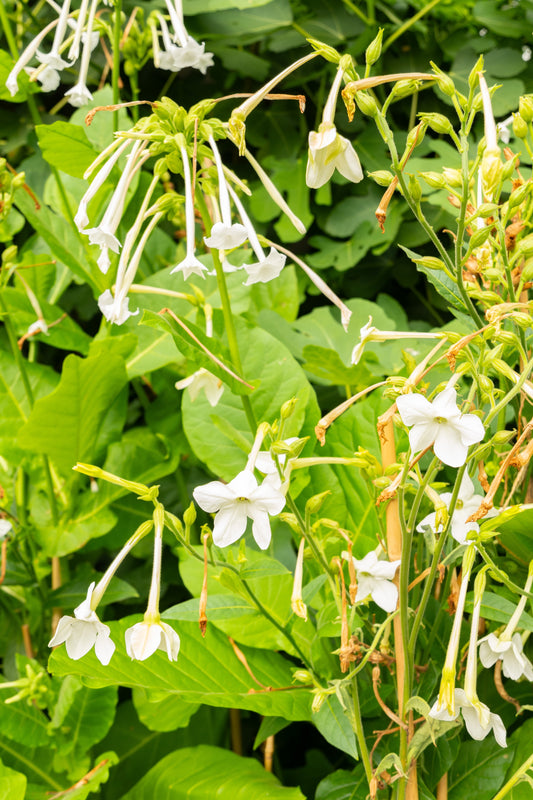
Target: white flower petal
261, 528
385, 595
212, 496
230, 523
449, 447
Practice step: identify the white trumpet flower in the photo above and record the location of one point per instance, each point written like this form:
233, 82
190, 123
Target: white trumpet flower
84, 631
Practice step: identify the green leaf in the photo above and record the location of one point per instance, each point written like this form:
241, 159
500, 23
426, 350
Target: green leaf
343, 785
23, 723
264, 358
251, 22
497, 17
160, 711
14, 403
335, 726
499, 609
269, 727
12, 784
521, 739
66, 147
65, 424
191, 7
516, 535
66, 244
479, 770
443, 284
208, 671
82, 716
192, 342
196, 773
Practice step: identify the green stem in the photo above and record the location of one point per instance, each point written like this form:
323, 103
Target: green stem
8, 33
359, 732
513, 780
406, 25
115, 76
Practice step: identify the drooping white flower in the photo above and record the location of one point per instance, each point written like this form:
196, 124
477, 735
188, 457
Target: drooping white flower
234, 502
53, 59
478, 717
328, 150
5, 528
510, 651
79, 95
374, 578
82, 219
467, 503
193, 52
441, 424
144, 638
224, 235
25, 58
83, 632
369, 333
190, 265
204, 380
115, 309
267, 267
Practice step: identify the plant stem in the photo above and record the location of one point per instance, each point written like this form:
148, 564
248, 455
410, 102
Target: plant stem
115, 76
359, 732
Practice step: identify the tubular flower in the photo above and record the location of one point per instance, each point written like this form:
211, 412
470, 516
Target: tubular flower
479, 719
144, 638
369, 333
190, 264
441, 424
84, 631
510, 651
224, 235
374, 578
234, 502
203, 379
328, 150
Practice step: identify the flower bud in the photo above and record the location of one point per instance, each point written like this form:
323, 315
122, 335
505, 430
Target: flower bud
519, 195
433, 179
189, 515
508, 169
318, 699
291, 521
503, 437
366, 103
287, 409
485, 384
382, 177
430, 262
519, 126
415, 136
473, 77
315, 503
302, 676
444, 82
525, 107
525, 246
523, 321
415, 190
480, 236
486, 210
453, 177
437, 122
9, 254
373, 51
327, 52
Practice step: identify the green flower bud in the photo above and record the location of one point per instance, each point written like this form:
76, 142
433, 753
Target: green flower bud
473, 78
189, 515
9, 254
485, 384
444, 82
382, 177
525, 107
315, 503
508, 169
525, 246
519, 195
486, 210
519, 126
373, 51
327, 52
433, 179
287, 409
453, 177
291, 521
415, 190
437, 122
430, 262
302, 676
366, 103
415, 136
479, 237
523, 321
502, 437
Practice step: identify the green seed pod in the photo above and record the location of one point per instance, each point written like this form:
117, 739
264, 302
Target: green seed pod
523, 321
479, 237
519, 195
525, 246
433, 179
502, 437
366, 103
438, 122
373, 51
415, 136
430, 262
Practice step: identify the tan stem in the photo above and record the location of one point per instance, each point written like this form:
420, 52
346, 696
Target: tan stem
442, 788
269, 753
236, 730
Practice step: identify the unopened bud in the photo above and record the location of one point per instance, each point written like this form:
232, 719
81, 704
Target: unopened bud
287, 409
479, 236
366, 103
508, 169
485, 384
444, 82
523, 321
327, 52
318, 700
453, 177
9, 254
519, 126
415, 136
519, 195
382, 177
525, 246
430, 262
315, 503
415, 190
503, 437
438, 122
302, 676
189, 515
486, 210
473, 78
373, 51
525, 107
291, 521
433, 179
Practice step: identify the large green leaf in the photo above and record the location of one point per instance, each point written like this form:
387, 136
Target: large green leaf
12, 784
14, 402
202, 773
65, 243
343, 785
82, 716
160, 711
335, 727
66, 147
220, 437
208, 671
479, 770
23, 723
521, 739
65, 424
251, 23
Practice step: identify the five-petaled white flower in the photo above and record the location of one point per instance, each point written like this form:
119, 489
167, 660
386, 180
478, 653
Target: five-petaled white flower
510, 651
84, 631
144, 638
467, 503
479, 719
440, 424
374, 578
202, 379
234, 502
